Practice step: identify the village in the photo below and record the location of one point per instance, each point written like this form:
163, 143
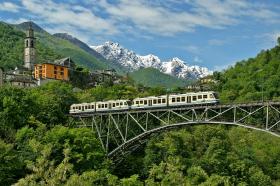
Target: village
31, 74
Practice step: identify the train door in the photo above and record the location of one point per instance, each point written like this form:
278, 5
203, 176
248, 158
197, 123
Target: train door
188, 99
150, 102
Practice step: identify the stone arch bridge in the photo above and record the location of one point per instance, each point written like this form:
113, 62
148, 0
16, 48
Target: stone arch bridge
121, 132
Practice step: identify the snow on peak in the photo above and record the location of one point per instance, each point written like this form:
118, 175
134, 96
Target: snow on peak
130, 60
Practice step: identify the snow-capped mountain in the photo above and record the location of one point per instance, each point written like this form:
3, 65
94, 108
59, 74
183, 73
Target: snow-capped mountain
132, 61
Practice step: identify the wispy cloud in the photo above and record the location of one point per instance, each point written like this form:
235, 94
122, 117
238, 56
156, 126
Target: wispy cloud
192, 49
9, 7
216, 42
69, 16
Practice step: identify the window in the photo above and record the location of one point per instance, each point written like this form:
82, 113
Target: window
163, 100
194, 98
141, 102
117, 104
137, 102
85, 107
32, 44
125, 103
114, 104
159, 101
121, 103
154, 101
26, 43
145, 102
199, 97
173, 100
178, 99
205, 96
105, 106
102, 106
211, 96
99, 106
183, 99
79, 107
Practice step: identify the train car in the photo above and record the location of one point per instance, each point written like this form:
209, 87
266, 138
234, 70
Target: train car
149, 102
112, 105
193, 98
83, 107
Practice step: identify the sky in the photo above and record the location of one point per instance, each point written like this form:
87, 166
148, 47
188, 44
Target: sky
211, 33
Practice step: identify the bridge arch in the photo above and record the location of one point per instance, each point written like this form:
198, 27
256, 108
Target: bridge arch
126, 145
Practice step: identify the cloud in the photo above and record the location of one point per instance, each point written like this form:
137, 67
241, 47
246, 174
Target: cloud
9, 7
197, 59
169, 19
64, 15
192, 49
216, 42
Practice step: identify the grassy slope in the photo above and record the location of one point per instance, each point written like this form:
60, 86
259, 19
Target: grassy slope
153, 78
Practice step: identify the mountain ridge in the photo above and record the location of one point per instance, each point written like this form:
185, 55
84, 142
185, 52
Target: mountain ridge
132, 62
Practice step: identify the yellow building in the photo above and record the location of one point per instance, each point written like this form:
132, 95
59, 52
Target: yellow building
51, 71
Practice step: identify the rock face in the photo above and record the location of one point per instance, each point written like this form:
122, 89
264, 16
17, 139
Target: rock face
132, 61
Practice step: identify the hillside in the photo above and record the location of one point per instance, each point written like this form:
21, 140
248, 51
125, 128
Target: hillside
154, 78
11, 48
246, 79
65, 48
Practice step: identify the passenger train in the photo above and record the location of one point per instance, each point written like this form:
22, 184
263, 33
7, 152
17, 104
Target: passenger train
171, 100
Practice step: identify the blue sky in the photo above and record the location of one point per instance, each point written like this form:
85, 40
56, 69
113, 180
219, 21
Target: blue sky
211, 33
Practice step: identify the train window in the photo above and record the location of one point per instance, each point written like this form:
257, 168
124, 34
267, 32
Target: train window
183, 99
173, 100
85, 107
125, 103
102, 106
199, 97
114, 104
99, 106
154, 101
79, 108
105, 105
141, 102
211, 96
194, 98
121, 103
205, 96
117, 104
163, 100
178, 99
145, 102
159, 101
137, 102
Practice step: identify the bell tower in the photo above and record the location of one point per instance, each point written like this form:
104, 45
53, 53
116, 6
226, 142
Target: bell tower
29, 48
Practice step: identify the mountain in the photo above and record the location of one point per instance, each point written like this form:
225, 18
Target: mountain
12, 46
152, 77
65, 48
86, 48
132, 61
79, 43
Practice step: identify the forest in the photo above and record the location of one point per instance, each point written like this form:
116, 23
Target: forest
39, 147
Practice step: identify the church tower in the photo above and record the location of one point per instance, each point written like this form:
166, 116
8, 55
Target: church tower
29, 48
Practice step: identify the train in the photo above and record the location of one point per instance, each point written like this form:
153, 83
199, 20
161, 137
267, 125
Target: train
151, 102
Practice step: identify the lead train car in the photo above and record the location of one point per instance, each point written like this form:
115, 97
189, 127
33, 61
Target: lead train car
172, 100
